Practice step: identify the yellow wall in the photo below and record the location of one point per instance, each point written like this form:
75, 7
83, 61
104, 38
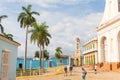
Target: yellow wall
89, 58
90, 52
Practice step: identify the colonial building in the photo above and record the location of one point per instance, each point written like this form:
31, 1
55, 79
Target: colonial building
8, 55
90, 52
108, 33
77, 56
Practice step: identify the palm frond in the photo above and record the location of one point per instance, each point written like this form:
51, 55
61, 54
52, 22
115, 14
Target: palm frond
40, 33
36, 13
22, 14
3, 16
29, 7
1, 28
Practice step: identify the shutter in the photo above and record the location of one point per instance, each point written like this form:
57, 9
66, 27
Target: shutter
5, 65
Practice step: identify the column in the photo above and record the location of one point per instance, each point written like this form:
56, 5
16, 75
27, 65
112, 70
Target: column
99, 51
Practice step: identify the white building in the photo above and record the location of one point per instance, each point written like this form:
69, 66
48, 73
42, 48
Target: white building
108, 33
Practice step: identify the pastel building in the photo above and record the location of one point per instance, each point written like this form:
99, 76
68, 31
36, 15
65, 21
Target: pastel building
90, 53
108, 33
8, 55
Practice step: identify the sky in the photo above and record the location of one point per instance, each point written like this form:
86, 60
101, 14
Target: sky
67, 20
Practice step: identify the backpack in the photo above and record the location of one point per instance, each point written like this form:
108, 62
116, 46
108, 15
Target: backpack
85, 72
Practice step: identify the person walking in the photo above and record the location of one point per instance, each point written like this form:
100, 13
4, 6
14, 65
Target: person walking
84, 73
70, 69
95, 69
65, 71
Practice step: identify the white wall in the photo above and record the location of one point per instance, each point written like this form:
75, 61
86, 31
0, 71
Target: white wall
111, 33
13, 56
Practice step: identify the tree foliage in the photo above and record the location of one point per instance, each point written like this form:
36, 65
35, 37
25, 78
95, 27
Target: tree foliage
58, 52
9, 36
36, 54
1, 27
40, 36
46, 54
26, 19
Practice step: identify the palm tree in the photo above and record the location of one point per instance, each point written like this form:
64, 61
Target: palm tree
1, 27
26, 19
36, 54
40, 35
58, 53
9, 36
46, 54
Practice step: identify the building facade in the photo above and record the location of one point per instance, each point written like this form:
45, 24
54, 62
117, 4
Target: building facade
108, 33
77, 56
90, 53
8, 55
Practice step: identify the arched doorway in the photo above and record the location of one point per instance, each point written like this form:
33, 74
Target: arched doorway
118, 37
103, 49
77, 61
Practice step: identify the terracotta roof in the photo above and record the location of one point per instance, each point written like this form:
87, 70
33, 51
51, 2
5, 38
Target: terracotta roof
64, 56
9, 41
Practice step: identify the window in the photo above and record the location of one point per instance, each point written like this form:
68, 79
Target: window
90, 46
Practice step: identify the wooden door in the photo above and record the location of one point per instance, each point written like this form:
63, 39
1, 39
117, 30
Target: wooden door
5, 65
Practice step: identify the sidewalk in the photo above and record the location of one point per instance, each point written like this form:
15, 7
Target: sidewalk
76, 75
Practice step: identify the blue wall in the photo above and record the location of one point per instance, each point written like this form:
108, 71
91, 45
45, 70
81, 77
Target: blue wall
35, 63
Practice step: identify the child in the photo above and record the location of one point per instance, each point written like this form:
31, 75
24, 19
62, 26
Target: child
84, 73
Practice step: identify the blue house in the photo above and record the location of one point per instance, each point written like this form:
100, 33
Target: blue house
8, 55
52, 62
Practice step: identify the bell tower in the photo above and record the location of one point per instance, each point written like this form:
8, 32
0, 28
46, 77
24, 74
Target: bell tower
77, 56
112, 9
77, 47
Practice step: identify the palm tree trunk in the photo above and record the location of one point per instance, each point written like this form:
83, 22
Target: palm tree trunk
43, 58
40, 55
25, 50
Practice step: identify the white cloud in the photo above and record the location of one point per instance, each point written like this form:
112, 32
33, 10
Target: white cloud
50, 17
50, 3
2, 8
68, 28
63, 29
53, 3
